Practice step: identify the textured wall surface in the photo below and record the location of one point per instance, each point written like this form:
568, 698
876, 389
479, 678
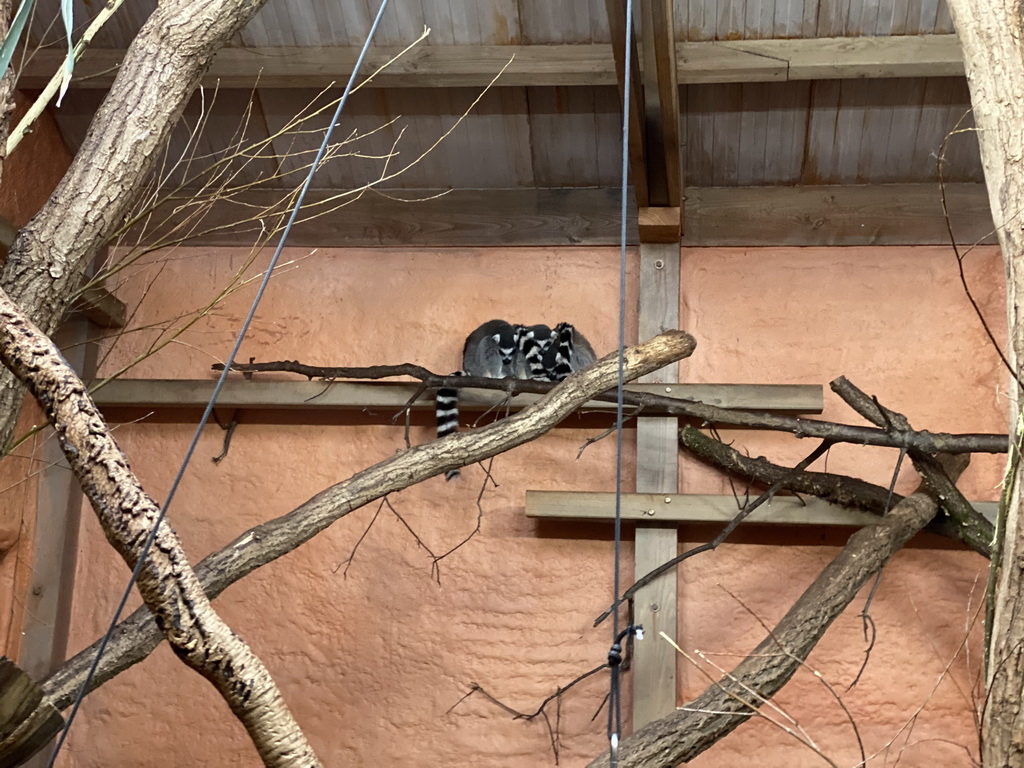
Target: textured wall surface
374, 662
29, 176
33, 170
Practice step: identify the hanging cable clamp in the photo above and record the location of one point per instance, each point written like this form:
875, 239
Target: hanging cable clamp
615, 653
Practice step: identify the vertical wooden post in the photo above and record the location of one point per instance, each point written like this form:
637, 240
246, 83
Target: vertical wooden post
59, 500
657, 471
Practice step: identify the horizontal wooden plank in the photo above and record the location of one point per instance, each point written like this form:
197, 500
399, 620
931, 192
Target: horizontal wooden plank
699, 508
738, 61
877, 214
390, 396
101, 307
428, 66
873, 214
456, 218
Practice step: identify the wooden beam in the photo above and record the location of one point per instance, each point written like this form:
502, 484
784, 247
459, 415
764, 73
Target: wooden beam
458, 218
661, 107
660, 225
439, 66
101, 308
621, 48
316, 397
875, 214
657, 470
700, 508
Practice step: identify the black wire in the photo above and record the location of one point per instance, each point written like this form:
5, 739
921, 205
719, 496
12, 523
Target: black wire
216, 390
614, 692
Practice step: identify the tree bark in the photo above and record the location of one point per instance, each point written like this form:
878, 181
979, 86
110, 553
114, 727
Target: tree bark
161, 69
723, 706
838, 489
992, 37
138, 635
6, 90
166, 581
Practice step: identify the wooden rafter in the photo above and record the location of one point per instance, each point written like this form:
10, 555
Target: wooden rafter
661, 105
737, 61
661, 220
621, 48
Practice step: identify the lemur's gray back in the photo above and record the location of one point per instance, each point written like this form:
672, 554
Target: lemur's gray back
490, 350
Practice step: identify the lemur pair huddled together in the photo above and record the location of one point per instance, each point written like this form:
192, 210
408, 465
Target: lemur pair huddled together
501, 350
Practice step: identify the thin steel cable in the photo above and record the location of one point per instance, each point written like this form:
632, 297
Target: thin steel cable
219, 386
614, 693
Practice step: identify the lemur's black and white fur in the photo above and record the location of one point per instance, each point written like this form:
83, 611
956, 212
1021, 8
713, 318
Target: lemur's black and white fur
569, 352
498, 350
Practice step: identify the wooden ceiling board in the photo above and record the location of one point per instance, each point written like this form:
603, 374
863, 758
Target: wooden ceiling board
47, 28
228, 121
786, 132
563, 21
760, 18
489, 149
726, 133
754, 141
698, 130
962, 153
945, 102
899, 155
576, 136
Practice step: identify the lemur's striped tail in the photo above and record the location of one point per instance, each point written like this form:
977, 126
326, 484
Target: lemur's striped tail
447, 410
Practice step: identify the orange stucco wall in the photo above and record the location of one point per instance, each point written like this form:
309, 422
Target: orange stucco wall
29, 176
373, 662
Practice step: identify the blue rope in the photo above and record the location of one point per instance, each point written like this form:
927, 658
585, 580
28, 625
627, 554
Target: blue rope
614, 693
219, 386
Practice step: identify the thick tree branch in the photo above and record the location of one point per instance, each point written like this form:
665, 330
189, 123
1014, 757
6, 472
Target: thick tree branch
137, 635
992, 38
167, 582
838, 489
929, 442
162, 67
720, 709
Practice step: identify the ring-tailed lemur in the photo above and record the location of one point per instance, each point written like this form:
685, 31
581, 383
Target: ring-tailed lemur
569, 352
491, 350
500, 350
533, 342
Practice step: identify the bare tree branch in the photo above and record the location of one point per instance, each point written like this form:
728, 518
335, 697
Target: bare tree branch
928, 442
137, 635
976, 531
719, 710
168, 585
839, 489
